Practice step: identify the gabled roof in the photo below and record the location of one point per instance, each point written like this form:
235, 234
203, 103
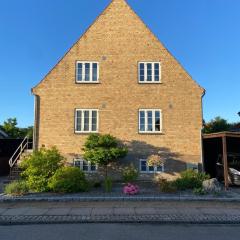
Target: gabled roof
115, 5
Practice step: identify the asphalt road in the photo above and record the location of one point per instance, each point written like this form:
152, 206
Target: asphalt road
120, 232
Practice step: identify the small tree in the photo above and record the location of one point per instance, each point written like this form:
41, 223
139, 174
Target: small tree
102, 150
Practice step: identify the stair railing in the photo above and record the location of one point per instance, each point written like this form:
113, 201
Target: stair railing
16, 156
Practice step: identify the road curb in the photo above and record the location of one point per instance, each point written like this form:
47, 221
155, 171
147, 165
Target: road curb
159, 219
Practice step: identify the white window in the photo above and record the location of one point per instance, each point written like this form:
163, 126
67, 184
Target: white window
144, 168
85, 165
87, 72
150, 121
86, 121
149, 72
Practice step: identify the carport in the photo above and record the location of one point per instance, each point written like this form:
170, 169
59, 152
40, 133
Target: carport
220, 144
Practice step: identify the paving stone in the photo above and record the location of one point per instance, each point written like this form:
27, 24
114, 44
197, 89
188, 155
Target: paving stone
102, 211
15, 211
146, 211
124, 211
36, 211
80, 211
58, 211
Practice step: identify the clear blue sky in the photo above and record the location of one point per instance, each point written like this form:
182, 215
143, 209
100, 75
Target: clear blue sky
204, 35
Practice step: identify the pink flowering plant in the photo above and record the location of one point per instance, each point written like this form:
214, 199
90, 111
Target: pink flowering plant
131, 189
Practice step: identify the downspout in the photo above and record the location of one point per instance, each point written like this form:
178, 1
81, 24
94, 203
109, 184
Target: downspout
201, 134
36, 122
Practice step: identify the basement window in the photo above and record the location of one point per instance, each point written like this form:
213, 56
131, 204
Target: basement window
85, 165
144, 168
86, 121
87, 72
150, 121
149, 72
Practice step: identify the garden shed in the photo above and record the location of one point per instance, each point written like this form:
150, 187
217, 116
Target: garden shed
221, 153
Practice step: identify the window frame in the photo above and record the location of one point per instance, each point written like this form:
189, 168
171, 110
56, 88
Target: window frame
153, 72
153, 121
83, 73
82, 121
81, 160
147, 167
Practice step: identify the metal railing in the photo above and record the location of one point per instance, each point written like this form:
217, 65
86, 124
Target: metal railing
17, 154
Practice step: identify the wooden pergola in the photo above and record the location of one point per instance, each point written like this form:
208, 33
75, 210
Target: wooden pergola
223, 136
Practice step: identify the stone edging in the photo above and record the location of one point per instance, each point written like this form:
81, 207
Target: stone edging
107, 199
161, 219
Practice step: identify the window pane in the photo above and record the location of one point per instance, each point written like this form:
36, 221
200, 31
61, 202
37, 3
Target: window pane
93, 167
151, 169
149, 72
87, 71
77, 163
94, 120
79, 72
157, 121
86, 120
150, 120
142, 121
94, 72
141, 72
85, 166
156, 72
79, 121
159, 169
143, 166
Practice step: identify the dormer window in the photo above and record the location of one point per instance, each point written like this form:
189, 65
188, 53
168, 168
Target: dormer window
149, 72
87, 72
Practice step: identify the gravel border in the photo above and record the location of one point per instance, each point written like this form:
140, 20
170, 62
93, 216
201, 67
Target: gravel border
6, 199
160, 219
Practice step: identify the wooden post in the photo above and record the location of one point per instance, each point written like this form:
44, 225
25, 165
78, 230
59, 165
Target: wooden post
225, 162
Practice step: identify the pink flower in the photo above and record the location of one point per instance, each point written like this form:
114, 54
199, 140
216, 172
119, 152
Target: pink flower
130, 189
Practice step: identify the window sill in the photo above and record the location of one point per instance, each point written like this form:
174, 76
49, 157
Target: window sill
151, 133
84, 133
97, 82
150, 172
150, 82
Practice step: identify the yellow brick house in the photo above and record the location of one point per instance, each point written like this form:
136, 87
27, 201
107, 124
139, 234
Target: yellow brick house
118, 78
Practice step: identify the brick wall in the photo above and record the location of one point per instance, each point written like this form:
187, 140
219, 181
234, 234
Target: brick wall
118, 40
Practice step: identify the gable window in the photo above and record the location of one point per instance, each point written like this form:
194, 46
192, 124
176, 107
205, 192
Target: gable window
144, 168
85, 165
86, 120
149, 72
87, 72
150, 121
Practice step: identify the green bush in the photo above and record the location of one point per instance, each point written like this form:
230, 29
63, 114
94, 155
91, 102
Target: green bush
16, 188
39, 167
68, 180
190, 179
199, 191
130, 174
166, 186
108, 184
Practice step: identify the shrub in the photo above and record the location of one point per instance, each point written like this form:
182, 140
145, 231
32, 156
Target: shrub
16, 188
166, 186
131, 189
39, 167
199, 191
190, 179
108, 184
97, 184
68, 180
130, 174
